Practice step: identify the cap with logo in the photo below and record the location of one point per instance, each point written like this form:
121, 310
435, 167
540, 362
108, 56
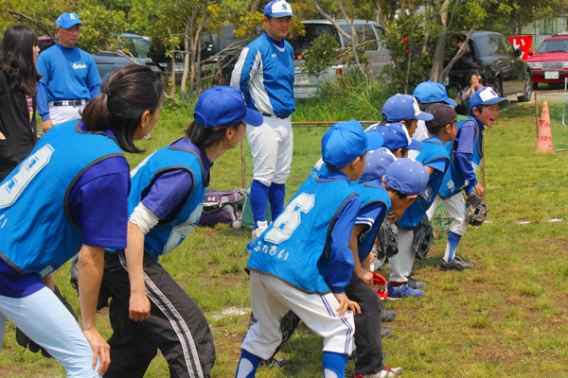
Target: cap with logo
402, 107
443, 115
486, 96
346, 141
407, 176
377, 162
396, 136
68, 20
278, 9
224, 106
430, 91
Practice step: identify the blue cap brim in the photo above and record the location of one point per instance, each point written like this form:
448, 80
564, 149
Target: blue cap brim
374, 140
450, 102
415, 145
253, 118
424, 116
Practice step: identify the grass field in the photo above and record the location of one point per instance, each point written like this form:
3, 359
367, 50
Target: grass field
507, 317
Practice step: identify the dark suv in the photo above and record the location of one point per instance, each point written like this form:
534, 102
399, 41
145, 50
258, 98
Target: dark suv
493, 57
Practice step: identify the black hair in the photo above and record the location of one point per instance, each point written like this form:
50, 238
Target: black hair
204, 137
400, 195
129, 92
17, 58
332, 167
478, 107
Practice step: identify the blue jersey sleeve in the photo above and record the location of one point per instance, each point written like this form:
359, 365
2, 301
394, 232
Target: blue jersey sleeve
341, 261
168, 192
41, 101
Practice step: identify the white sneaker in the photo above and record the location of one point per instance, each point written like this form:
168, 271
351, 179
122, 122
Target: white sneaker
260, 227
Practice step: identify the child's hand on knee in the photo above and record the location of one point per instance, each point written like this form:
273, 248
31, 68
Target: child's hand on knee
346, 304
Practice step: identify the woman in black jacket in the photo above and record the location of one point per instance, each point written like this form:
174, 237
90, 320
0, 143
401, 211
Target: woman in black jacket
18, 80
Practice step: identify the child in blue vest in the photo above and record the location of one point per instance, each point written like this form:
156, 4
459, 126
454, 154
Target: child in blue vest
149, 310
302, 261
436, 160
404, 180
404, 109
467, 154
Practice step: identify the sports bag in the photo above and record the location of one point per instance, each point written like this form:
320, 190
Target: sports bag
223, 206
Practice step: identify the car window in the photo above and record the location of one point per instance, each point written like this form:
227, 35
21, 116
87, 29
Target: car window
490, 45
553, 45
365, 33
506, 45
300, 43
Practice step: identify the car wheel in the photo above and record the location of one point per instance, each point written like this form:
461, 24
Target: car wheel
498, 87
535, 86
526, 97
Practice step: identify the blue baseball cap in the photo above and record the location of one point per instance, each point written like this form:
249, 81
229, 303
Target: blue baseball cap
224, 106
396, 136
402, 107
486, 96
377, 162
430, 91
407, 176
278, 9
67, 21
346, 141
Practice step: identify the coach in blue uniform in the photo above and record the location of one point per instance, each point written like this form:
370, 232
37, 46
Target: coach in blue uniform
69, 196
149, 310
265, 74
70, 76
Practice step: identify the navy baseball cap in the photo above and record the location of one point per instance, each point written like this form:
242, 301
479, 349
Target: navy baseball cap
68, 20
278, 9
377, 162
407, 176
346, 141
224, 106
429, 91
402, 107
486, 96
443, 115
396, 136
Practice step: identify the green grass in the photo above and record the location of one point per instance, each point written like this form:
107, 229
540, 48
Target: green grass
506, 317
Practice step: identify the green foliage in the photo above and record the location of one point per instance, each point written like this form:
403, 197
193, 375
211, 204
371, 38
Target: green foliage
321, 55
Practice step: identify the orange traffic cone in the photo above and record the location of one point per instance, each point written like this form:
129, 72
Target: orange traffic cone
544, 140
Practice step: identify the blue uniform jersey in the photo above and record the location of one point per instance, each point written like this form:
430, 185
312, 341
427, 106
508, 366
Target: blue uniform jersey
433, 154
265, 75
375, 205
172, 230
68, 73
38, 232
469, 142
297, 248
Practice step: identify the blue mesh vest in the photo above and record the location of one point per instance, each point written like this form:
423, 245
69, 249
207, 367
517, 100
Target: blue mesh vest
37, 234
453, 179
432, 149
371, 192
164, 237
294, 247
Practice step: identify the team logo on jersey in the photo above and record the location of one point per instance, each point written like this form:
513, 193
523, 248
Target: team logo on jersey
274, 55
79, 66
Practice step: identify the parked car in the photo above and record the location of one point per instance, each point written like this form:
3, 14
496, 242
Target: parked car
493, 57
549, 63
108, 62
305, 85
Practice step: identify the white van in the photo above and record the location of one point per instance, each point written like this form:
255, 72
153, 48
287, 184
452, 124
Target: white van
305, 85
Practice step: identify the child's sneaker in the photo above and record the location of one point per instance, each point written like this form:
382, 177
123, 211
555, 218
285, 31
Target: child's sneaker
456, 264
403, 291
387, 372
260, 227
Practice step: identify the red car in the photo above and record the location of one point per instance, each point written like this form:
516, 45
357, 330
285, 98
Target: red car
549, 63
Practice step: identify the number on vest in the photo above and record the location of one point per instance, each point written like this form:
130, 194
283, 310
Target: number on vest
11, 189
287, 222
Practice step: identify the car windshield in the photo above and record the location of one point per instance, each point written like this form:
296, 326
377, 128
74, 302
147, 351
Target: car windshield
300, 43
553, 45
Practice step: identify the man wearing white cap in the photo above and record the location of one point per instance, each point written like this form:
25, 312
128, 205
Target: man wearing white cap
70, 76
265, 74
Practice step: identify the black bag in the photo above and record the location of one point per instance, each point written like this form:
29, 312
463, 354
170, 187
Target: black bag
223, 206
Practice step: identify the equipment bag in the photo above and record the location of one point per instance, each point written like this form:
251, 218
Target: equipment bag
223, 206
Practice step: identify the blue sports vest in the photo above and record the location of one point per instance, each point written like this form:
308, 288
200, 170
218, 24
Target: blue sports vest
371, 192
36, 233
432, 150
294, 247
164, 237
453, 179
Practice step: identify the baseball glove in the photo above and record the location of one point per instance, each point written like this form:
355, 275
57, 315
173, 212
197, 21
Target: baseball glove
380, 285
476, 210
26, 342
423, 237
388, 241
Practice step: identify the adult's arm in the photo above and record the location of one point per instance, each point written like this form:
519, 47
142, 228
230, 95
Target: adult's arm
42, 108
94, 91
91, 267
